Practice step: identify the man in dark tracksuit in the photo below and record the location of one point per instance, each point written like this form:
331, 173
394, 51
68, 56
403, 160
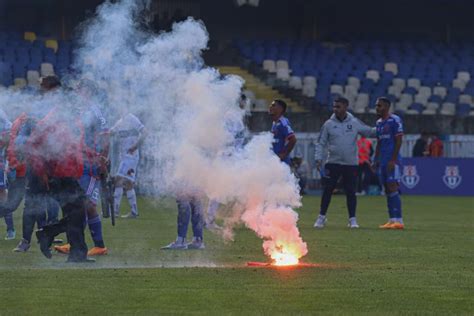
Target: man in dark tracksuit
339, 135
56, 158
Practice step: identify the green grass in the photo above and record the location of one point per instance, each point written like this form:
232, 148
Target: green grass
426, 269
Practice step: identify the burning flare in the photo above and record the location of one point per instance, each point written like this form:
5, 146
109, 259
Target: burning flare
282, 256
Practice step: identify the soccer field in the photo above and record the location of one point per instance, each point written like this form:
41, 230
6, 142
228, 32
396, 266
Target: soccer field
426, 269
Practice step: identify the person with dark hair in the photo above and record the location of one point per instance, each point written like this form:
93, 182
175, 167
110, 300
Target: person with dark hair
420, 146
283, 135
388, 160
339, 136
435, 148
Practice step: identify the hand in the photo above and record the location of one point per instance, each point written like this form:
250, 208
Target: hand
282, 155
391, 165
319, 164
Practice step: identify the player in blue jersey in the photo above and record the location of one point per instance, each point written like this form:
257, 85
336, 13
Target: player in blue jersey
94, 155
284, 138
389, 130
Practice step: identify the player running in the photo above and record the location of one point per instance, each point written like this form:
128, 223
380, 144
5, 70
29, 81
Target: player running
131, 133
388, 160
284, 138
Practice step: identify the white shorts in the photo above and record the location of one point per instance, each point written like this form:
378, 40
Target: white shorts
128, 167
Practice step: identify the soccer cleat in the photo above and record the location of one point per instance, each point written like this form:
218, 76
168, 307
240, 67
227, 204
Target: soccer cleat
98, 251
45, 242
387, 225
196, 244
64, 249
320, 222
397, 225
11, 234
175, 245
352, 223
23, 246
130, 216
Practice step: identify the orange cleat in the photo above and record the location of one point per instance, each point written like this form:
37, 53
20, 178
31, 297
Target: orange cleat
97, 251
387, 225
397, 225
63, 249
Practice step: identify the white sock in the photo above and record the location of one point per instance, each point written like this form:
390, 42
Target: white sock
393, 219
180, 240
132, 200
117, 199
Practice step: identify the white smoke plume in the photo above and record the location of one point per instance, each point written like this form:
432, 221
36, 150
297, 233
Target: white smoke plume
192, 114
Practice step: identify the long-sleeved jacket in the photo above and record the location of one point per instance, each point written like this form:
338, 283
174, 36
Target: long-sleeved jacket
340, 138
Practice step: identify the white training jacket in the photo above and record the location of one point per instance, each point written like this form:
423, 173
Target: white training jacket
340, 139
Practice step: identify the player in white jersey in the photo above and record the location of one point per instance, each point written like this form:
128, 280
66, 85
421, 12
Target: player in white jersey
129, 133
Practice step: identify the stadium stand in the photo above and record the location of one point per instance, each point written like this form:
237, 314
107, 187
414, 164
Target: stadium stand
425, 78
24, 57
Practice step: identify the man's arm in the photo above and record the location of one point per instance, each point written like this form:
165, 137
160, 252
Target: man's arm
396, 151
321, 146
143, 135
288, 148
365, 130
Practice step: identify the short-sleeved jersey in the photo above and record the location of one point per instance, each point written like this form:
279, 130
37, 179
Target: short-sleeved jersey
281, 130
94, 124
387, 131
127, 130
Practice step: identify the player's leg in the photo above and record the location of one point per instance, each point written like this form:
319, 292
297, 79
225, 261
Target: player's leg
11, 233
331, 176
93, 218
52, 210
349, 178
28, 221
197, 220
184, 214
132, 198
391, 180
393, 197
118, 193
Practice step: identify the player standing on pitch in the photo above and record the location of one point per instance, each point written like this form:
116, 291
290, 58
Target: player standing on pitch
339, 135
388, 160
131, 134
284, 138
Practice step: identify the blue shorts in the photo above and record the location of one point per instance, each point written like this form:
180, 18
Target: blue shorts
91, 186
390, 176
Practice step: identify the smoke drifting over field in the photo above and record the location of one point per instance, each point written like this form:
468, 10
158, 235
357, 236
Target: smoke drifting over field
193, 116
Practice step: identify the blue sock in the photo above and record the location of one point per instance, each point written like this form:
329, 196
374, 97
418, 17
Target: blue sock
9, 221
95, 227
390, 206
395, 205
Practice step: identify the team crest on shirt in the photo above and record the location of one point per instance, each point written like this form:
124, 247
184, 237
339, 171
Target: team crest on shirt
451, 177
410, 177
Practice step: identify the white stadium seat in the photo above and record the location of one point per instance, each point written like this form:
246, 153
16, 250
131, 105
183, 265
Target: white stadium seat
20, 82
448, 108
425, 90
465, 98
350, 90
394, 90
296, 82
309, 91
432, 106
429, 112
354, 81
399, 82
372, 74
414, 83
283, 74
47, 69
460, 84
337, 89
392, 67
464, 76
281, 64
440, 91
269, 65
309, 81
420, 98
32, 76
